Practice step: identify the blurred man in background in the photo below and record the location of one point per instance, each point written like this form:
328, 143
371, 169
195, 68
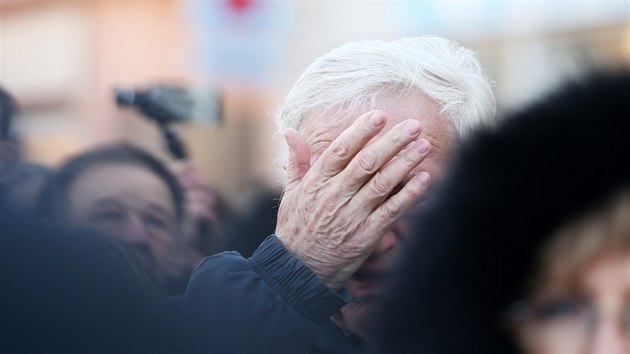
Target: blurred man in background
20, 181
207, 214
132, 196
367, 126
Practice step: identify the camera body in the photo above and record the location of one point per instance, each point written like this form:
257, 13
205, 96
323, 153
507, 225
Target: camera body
165, 105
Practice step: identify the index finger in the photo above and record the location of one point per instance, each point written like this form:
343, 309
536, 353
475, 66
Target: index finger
337, 156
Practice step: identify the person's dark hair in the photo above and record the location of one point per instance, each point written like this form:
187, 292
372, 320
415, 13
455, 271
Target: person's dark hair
19, 175
8, 108
55, 192
477, 240
25, 170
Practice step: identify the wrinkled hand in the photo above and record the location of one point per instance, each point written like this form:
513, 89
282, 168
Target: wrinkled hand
334, 213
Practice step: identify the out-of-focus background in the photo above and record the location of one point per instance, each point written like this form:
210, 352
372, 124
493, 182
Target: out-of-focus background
63, 59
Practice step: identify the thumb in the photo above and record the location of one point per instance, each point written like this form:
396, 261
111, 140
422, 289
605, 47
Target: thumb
299, 157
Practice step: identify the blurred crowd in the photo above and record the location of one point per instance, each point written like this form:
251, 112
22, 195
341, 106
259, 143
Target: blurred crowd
413, 219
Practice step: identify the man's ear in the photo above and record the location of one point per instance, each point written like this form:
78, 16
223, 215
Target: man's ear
299, 157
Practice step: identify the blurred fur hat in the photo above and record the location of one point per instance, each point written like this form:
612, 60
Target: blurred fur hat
507, 191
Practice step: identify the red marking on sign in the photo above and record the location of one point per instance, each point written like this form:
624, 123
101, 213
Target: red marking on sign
240, 6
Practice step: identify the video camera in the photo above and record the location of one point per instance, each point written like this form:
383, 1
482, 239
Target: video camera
172, 104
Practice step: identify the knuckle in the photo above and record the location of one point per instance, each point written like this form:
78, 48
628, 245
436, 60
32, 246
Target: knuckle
411, 159
392, 208
402, 134
381, 183
399, 140
367, 161
340, 149
414, 190
309, 187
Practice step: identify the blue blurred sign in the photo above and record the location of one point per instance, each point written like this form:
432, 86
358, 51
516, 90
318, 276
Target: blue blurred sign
239, 40
486, 19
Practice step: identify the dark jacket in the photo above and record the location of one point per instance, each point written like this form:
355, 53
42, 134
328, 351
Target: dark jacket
75, 291
509, 189
269, 303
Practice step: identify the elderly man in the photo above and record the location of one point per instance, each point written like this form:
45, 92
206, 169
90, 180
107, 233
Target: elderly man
368, 126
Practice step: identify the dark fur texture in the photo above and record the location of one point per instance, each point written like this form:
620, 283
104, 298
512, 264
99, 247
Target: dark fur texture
507, 191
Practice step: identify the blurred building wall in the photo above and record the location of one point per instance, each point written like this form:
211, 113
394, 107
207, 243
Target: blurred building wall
62, 60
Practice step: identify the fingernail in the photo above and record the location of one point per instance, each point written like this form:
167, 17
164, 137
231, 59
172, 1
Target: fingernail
422, 146
376, 119
412, 127
424, 178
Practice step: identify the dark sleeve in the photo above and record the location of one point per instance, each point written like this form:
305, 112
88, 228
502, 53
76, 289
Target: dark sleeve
269, 303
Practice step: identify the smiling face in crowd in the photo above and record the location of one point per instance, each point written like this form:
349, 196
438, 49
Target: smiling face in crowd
130, 203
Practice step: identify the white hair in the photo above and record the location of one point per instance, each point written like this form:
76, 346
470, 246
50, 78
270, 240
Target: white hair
352, 78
